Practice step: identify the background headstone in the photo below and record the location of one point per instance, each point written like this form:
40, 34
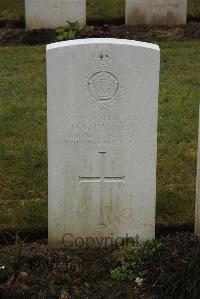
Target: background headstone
102, 139
156, 12
54, 13
197, 204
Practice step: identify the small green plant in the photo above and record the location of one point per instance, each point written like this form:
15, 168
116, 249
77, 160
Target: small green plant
130, 259
68, 32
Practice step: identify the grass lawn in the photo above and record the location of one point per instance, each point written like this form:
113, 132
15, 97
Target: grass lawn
13, 10
177, 131
23, 163
23, 147
98, 10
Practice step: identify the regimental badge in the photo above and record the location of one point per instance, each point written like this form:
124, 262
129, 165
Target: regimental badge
102, 86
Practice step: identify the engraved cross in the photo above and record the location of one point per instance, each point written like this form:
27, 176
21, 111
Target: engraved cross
102, 179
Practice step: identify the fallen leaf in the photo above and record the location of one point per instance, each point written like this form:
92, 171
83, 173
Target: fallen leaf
23, 274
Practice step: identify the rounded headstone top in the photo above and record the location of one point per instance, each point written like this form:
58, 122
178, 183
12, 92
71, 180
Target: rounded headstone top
113, 41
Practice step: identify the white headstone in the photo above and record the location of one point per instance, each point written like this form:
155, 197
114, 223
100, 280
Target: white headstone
102, 140
156, 12
197, 204
54, 13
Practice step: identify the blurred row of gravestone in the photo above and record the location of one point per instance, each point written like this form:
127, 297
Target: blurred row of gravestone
54, 13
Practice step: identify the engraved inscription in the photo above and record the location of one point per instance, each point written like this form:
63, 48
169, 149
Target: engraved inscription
102, 130
102, 179
163, 5
167, 5
103, 86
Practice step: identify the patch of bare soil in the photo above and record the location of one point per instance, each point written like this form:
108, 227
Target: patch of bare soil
33, 271
149, 34
18, 36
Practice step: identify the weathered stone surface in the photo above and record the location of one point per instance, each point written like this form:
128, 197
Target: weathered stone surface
197, 204
54, 13
156, 12
102, 140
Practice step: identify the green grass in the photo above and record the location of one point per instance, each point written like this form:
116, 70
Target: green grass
105, 10
23, 161
194, 8
23, 148
177, 134
13, 10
